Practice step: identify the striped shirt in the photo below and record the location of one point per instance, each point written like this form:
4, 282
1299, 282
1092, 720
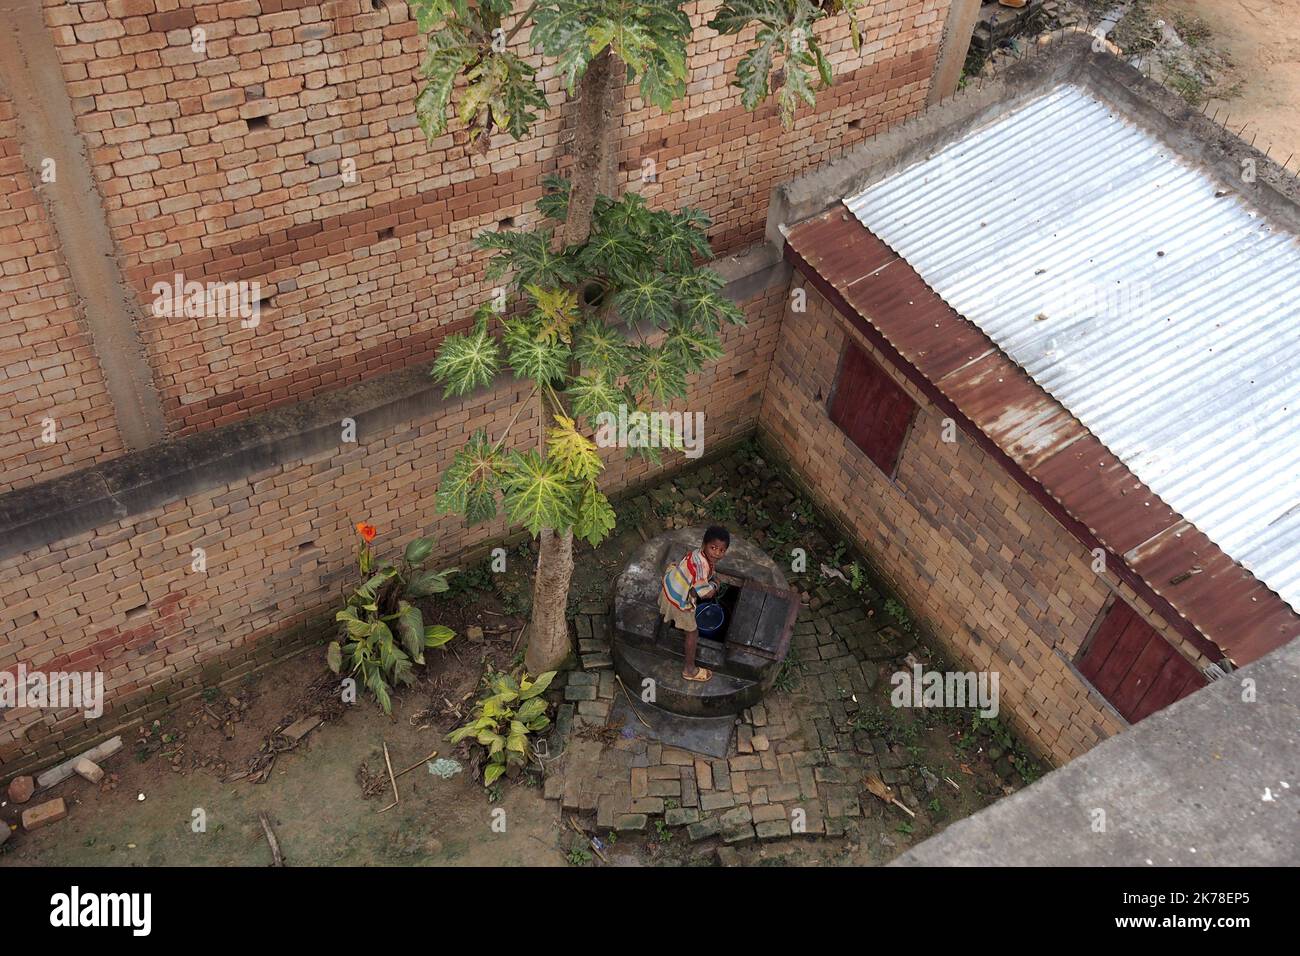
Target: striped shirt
692, 571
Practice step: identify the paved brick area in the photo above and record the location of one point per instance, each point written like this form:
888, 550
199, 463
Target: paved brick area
798, 760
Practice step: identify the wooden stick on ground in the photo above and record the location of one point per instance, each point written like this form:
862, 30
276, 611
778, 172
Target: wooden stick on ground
391, 779
276, 858
414, 765
629, 700
593, 846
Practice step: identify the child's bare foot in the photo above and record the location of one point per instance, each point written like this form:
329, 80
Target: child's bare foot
700, 674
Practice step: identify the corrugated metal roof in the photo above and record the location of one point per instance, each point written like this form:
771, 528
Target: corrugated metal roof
1198, 588
1148, 299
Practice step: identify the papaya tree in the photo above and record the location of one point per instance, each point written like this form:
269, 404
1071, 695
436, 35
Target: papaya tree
604, 304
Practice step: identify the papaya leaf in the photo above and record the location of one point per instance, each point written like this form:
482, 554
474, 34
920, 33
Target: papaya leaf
537, 495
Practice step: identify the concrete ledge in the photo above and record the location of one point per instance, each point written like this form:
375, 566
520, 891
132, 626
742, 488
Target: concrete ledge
1185, 787
1064, 56
51, 511
917, 138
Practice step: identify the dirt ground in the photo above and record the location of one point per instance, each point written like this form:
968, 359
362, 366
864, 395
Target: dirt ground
312, 795
1262, 39
1239, 58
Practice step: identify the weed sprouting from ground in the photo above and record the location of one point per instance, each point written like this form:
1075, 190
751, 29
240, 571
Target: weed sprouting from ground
788, 678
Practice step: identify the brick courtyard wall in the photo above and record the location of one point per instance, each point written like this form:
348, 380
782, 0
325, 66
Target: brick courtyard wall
48, 367
990, 573
229, 164
279, 544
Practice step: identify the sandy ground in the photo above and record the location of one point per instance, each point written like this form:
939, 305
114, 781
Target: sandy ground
1262, 38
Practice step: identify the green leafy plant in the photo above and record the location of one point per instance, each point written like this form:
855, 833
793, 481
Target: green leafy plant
474, 579
791, 672
999, 735
722, 508
470, 50
503, 720
856, 577
887, 724
384, 634
898, 613
784, 31
639, 265
663, 832
805, 511
579, 857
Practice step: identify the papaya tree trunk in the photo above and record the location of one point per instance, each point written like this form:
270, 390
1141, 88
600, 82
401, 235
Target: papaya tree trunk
599, 103
548, 639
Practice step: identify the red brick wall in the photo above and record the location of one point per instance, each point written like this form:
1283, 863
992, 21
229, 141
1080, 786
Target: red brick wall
999, 582
48, 366
190, 189
279, 547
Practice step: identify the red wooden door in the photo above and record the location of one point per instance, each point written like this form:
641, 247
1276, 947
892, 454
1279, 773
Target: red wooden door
871, 408
1135, 668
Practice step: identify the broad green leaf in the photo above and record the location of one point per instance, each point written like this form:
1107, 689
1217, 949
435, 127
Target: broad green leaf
334, 657
378, 687
466, 361
533, 356
691, 349
529, 256
594, 394
538, 686
437, 635
554, 203
647, 299
574, 454
557, 311
429, 582
410, 627
460, 733
531, 710
657, 373
784, 29
470, 483
595, 518
537, 495
418, 550
601, 348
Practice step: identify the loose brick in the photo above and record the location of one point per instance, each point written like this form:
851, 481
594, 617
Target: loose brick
43, 814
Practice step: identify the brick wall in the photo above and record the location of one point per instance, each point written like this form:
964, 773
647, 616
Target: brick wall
226, 165
48, 366
279, 548
998, 581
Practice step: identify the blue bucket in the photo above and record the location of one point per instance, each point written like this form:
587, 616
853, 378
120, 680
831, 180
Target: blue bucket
709, 618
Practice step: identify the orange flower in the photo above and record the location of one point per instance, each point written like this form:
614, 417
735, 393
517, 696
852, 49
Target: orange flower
367, 531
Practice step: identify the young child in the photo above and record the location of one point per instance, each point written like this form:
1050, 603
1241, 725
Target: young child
686, 581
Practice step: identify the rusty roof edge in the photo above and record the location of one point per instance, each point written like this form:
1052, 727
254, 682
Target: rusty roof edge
1160, 536
1149, 591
